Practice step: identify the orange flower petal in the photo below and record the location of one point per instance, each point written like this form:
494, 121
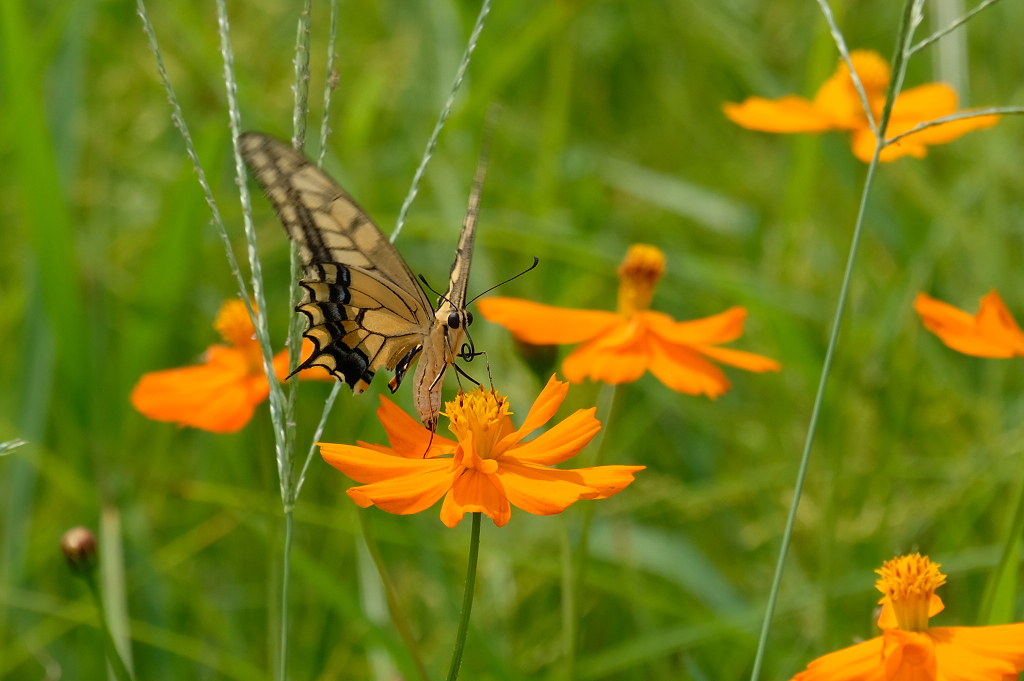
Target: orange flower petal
948, 132
368, 466
922, 103
563, 441
909, 656
218, 396
785, 114
407, 436
541, 491
887, 618
995, 321
861, 662
609, 360
838, 98
738, 358
476, 492
720, 328
606, 480
682, 369
960, 331
544, 407
979, 653
410, 493
546, 325
863, 145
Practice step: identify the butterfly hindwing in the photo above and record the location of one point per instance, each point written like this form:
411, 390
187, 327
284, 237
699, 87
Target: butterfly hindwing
363, 306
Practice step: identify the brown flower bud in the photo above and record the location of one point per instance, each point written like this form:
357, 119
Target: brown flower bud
79, 547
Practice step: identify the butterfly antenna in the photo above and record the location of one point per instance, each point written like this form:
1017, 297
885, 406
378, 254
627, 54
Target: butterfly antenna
460, 370
535, 261
440, 295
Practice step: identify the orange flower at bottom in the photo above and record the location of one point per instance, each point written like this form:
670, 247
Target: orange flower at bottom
908, 650
620, 347
490, 467
220, 394
837, 106
990, 333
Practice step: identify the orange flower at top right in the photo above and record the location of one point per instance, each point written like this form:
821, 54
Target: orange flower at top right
991, 333
836, 106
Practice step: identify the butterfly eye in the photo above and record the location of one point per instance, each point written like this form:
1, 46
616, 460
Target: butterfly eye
469, 318
453, 320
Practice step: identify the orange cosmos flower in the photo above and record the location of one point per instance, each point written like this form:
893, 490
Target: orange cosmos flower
620, 347
489, 467
990, 333
909, 650
837, 106
220, 394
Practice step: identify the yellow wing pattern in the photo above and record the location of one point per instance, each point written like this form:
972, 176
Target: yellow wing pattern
364, 309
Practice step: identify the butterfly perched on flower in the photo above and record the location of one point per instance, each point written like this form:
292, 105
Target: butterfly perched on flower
364, 308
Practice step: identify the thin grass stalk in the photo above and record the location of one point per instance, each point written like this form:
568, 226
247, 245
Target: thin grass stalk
844, 52
329, 84
179, 122
952, 27
300, 113
324, 132
467, 599
974, 113
289, 522
908, 22
259, 315
460, 74
328, 405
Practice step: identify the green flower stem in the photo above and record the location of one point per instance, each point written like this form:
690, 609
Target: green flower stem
113, 656
1003, 576
467, 600
899, 66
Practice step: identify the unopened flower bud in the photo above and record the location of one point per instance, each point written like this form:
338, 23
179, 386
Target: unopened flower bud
79, 547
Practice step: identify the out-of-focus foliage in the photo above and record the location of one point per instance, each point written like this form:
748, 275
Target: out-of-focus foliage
611, 133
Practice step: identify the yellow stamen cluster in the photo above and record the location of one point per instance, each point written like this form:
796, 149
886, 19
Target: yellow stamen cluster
483, 414
234, 325
638, 275
910, 582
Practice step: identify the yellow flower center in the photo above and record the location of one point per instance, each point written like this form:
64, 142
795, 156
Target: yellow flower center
483, 414
234, 325
910, 582
638, 275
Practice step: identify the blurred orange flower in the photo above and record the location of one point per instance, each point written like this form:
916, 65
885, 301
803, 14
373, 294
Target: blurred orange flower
990, 333
908, 650
620, 347
220, 394
490, 466
837, 106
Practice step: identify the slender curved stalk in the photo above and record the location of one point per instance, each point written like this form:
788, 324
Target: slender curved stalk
844, 52
974, 113
899, 65
467, 600
121, 672
259, 315
952, 27
329, 84
289, 522
414, 189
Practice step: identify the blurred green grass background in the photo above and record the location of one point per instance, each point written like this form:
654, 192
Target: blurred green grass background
611, 133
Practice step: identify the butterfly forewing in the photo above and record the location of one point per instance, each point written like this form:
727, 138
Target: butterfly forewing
363, 305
